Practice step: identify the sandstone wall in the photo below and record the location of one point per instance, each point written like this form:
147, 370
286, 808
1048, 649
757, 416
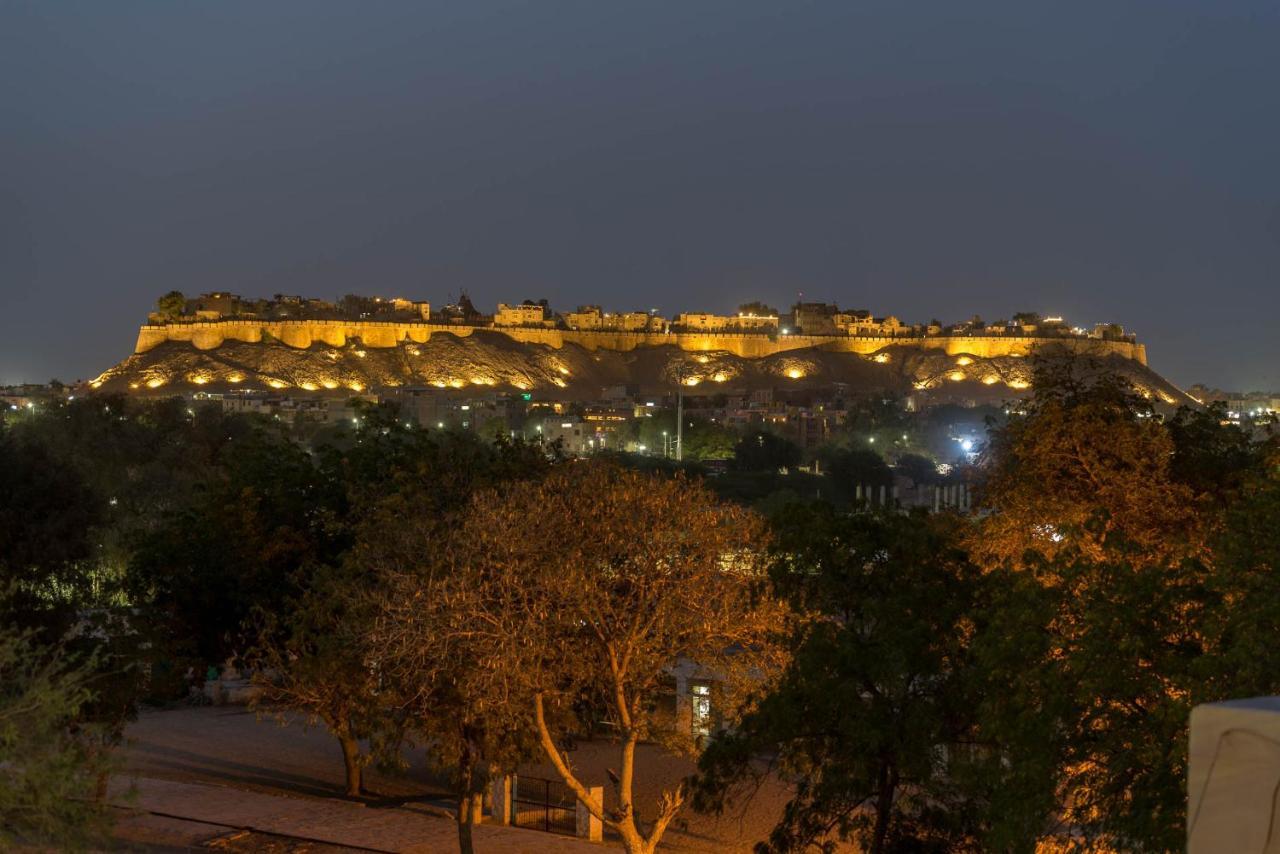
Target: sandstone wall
301, 334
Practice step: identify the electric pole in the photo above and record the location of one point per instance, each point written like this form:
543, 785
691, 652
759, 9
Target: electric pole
680, 413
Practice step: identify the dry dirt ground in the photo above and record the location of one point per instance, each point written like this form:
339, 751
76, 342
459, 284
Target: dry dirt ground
230, 747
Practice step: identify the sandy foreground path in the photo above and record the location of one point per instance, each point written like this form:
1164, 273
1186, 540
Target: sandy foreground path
224, 765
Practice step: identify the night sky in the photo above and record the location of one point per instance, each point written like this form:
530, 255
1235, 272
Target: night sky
1106, 161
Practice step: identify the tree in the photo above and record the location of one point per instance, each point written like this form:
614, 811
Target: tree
449, 676
314, 660
1080, 463
47, 515
238, 545
874, 717
620, 577
706, 440
1212, 457
758, 308
919, 468
854, 467
172, 305
764, 451
49, 791
1094, 667
447, 640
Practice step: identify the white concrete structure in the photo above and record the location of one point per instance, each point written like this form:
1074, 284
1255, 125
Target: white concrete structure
1233, 777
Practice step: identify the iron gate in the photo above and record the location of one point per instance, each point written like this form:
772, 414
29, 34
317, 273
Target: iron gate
544, 804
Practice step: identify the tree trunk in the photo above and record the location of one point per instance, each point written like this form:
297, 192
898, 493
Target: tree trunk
465, 825
466, 817
884, 807
351, 759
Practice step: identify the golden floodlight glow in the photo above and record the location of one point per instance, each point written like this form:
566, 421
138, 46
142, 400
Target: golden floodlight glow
692, 380
329, 383
921, 384
235, 378
702, 360
356, 386
562, 369
155, 383
955, 376
795, 373
482, 381
964, 360
199, 379
1019, 384
990, 379
456, 383
438, 383
882, 357
558, 381
360, 353
133, 385
277, 383
308, 386
520, 384
720, 377
96, 384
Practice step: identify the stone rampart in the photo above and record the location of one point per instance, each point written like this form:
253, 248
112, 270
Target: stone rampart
301, 334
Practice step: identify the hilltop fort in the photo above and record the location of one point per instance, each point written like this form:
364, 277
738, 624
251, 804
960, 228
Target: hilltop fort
221, 340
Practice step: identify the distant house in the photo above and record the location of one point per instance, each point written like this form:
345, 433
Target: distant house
589, 317
525, 314
694, 322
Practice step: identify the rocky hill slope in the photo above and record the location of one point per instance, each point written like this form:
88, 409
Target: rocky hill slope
492, 360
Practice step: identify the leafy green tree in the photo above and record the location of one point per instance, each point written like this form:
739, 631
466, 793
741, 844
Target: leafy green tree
313, 660
706, 440
238, 545
851, 468
171, 305
1094, 668
50, 785
49, 518
919, 468
758, 308
1213, 457
874, 718
764, 451
47, 514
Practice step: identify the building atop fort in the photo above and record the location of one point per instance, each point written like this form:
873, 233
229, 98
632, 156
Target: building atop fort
810, 319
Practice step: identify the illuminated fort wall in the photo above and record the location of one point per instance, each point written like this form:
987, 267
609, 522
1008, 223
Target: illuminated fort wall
302, 334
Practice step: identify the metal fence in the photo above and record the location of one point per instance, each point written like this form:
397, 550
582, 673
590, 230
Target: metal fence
543, 804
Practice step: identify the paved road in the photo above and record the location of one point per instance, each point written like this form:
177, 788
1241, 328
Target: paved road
191, 813
225, 746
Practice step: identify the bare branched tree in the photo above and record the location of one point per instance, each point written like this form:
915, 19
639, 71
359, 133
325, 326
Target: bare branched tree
592, 585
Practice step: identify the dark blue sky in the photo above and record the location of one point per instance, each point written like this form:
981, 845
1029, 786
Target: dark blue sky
1106, 161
